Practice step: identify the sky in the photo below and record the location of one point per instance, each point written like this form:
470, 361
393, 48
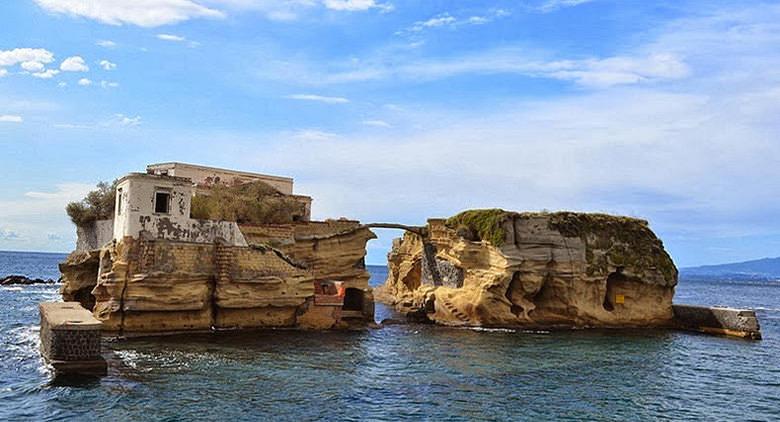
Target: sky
401, 110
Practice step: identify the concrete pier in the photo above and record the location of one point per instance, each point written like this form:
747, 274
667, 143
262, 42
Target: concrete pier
715, 320
70, 339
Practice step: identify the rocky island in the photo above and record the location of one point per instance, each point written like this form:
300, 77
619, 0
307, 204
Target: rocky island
499, 268
193, 248
184, 248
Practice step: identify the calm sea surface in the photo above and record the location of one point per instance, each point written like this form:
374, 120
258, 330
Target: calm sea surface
398, 372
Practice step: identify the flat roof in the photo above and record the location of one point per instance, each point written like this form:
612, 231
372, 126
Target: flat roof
135, 175
200, 167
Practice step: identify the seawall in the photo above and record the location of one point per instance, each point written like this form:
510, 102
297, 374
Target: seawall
716, 320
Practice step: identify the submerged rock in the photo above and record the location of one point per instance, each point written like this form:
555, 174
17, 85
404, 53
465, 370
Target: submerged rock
23, 280
500, 268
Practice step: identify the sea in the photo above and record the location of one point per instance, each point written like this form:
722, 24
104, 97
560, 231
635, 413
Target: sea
400, 372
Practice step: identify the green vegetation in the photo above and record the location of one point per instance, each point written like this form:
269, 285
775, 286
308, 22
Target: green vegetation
249, 203
623, 241
486, 224
97, 205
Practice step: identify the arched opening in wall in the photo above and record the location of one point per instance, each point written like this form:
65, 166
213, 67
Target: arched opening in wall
613, 281
353, 299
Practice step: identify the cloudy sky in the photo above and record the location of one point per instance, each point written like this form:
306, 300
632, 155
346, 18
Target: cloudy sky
399, 110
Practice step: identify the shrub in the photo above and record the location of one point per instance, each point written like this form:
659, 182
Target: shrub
97, 205
249, 203
485, 224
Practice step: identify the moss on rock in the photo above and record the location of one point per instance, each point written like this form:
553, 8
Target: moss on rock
485, 224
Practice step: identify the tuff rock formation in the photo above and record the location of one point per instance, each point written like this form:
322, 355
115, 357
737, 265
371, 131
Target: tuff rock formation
499, 268
149, 286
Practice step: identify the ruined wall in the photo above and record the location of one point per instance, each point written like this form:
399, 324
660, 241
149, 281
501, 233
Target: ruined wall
202, 175
135, 214
94, 235
556, 269
190, 230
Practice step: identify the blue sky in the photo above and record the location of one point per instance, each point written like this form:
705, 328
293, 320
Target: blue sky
401, 110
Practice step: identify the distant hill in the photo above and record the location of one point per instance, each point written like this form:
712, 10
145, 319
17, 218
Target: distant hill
759, 268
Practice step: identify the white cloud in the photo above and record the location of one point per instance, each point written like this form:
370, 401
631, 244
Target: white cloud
62, 84
31, 60
84, 82
698, 156
6, 234
106, 43
595, 72
318, 98
146, 13
447, 20
315, 135
108, 84
126, 121
553, 5
21, 55
171, 37
356, 5
27, 219
10, 118
74, 64
32, 66
377, 123
46, 74
107, 65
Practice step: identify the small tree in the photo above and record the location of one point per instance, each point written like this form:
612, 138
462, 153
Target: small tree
97, 205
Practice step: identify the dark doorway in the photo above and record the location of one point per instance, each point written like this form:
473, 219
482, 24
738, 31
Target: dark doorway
353, 299
613, 281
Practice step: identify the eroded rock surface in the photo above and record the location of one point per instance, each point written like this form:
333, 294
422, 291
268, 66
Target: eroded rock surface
143, 286
498, 268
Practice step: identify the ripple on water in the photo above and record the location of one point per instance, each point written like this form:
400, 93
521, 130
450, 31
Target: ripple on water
408, 372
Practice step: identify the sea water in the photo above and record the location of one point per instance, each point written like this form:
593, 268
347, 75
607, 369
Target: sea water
402, 372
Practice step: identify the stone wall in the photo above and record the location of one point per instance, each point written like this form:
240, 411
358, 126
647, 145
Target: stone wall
94, 235
717, 320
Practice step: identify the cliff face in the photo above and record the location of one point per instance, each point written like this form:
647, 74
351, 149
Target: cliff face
497, 268
144, 286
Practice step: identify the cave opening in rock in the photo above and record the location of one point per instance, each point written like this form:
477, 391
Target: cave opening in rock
353, 299
613, 281
514, 292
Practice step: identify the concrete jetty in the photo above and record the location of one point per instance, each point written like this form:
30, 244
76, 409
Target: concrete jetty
70, 339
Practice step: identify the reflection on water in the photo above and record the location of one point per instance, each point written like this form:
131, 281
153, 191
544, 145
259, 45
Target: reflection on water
410, 371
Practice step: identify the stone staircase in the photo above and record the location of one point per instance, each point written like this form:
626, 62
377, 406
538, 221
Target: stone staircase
456, 313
